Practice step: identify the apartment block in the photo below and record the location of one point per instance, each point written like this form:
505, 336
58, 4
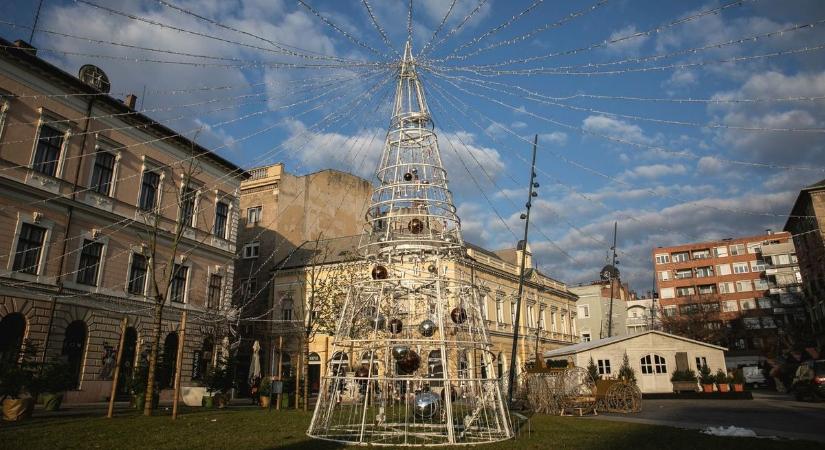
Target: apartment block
744, 288
86, 184
805, 222
594, 310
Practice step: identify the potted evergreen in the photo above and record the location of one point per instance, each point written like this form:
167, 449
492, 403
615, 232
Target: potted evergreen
707, 379
738, 380
137, 387
16, 382
593, 370
626, 373
683, 380
218, 381
51, 382
722, 381
265, 392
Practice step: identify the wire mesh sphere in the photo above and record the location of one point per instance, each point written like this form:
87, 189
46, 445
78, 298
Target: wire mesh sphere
427, 405
395, 326
409, 363
458, 315
399, 352
415, 226
379, 273
408, 176
427, 328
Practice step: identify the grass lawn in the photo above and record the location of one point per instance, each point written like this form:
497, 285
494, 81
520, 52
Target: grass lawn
258, 429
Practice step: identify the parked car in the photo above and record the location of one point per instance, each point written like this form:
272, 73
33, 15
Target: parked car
809, 381
754, 377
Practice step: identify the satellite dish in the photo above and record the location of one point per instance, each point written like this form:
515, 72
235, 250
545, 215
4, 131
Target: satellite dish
95, 77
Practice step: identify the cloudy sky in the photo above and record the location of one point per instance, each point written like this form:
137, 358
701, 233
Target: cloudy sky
682, 121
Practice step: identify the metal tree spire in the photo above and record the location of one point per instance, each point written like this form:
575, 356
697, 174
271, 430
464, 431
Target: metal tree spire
411, 361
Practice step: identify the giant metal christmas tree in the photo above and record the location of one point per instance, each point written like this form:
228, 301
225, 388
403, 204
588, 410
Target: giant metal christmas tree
411, 361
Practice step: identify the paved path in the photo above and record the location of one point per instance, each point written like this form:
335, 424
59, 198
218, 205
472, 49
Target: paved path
768, 414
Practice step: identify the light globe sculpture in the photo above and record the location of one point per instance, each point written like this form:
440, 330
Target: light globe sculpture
425, 376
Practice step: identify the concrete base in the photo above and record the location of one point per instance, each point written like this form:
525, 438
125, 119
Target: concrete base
90, 392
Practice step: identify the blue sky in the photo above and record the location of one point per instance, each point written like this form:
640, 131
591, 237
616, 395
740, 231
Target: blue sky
668, 171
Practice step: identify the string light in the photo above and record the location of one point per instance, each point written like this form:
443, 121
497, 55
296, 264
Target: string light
341, 31
438, 28
456, 28
497, 28
378, 27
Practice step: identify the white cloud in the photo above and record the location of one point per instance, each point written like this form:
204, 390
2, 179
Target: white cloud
556, 137
709, 165
629, 46
608, 126
656, 171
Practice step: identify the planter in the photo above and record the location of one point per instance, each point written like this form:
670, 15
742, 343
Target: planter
51, 402
684, 386
192, 395
724, 387
738, 387
15, 409
707, 388
208, 401
265, 400
140, 401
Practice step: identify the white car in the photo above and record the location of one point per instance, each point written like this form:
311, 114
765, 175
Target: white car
753, 376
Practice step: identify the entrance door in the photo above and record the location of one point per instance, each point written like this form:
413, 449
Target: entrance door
127, 361
654, 374
314, 378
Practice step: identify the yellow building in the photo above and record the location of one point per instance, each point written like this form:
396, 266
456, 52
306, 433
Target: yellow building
547, 313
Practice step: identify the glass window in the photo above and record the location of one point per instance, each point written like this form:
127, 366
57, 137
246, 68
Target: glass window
760, 284
701, 361
747, 303
664, 275
221, 218
149, 190
737, 249
706, 289
137, 274
584, 311
29, 247
726, 288
758, 265
666, 293
647, 365
702, 272
586, 337
214, 294
740, 267
251, 250
684, 291
47, 153
604, 366
187, 206
286, 309
723, 269
89, 266
744, 286
701, 254
662, 258
253, 215
177, 288
681, 257
730, 306
684, 273
103, 172
660, 364
721, 252
500, 310
249, 288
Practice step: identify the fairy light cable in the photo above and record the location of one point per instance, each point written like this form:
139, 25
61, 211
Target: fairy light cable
438, 28
455, 29
379, 28
340, 30
497, 28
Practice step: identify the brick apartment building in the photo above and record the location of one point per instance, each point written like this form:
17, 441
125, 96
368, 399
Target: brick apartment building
742, 293
82, 176
805, 222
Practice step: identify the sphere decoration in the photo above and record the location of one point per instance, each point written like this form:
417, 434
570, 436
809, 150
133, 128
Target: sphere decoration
458, 315
427, 405
395, 326
409, 363
416, 226
427, 328
400, 352
379, 273
408, 176
432, 268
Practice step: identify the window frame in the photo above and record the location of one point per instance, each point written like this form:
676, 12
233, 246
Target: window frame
214, 303
130, 271
103, 145
225, 229
178, 282
256, 245
189, 197
38, 265
98, 265
258, 210
603, 366
158, 189
61, 126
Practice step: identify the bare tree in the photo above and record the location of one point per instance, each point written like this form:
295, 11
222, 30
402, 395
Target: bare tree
698, 318
165, 252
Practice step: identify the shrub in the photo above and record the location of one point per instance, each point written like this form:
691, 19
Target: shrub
705, 377
593, 370
721, 377
684, 375
626, 373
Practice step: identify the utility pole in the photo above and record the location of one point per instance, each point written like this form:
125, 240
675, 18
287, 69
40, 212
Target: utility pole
612, 277
532, 193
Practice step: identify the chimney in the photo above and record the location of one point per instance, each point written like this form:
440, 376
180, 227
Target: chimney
23, 45
131, 101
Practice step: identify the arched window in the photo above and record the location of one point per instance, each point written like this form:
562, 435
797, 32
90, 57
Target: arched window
74, 344
339, 363
653, 364
12, 333
168, 361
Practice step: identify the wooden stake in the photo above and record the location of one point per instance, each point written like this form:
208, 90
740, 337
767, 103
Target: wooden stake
178, 364
117, 368
298, 379
280, 363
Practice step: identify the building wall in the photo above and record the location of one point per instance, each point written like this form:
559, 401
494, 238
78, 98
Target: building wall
71, 212
593, 309
746, 304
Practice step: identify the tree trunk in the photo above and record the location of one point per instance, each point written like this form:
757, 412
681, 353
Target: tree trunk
305, 371
153, 357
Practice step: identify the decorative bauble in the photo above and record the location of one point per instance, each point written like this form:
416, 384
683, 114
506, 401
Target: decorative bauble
427, 328
409, 363
379, 273
363, 371
395, 326
408, 176
458, 315
427, 405
432, 268
399, 352
415, 226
